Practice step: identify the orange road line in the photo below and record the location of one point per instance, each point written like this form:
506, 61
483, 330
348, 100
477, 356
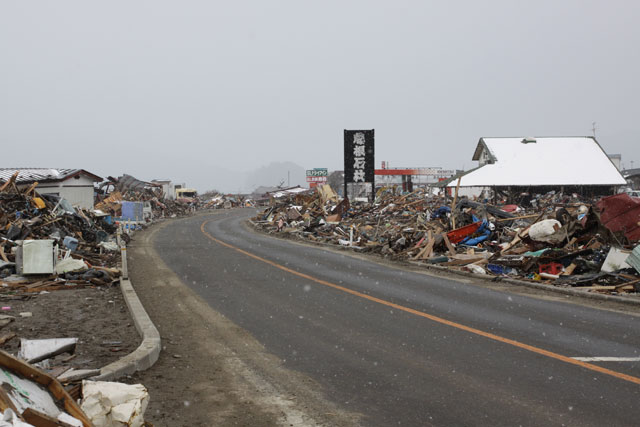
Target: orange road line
437, 319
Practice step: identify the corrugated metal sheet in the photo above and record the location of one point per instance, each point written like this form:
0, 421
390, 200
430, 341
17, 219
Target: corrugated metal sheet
28, 175
621, 213
547, 161
634, 258
35, 174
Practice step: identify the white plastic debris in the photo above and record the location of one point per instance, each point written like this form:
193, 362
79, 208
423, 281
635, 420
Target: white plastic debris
616, 259
25, 393
109, 246
112, 404
545, 231
70, 264
10, 419
68, 419
475, 269
36, 350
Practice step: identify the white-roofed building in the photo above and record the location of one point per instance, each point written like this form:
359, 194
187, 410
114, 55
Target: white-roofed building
74, 185
570, 164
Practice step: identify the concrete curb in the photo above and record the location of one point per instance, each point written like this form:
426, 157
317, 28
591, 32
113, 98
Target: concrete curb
147, 352
440, 269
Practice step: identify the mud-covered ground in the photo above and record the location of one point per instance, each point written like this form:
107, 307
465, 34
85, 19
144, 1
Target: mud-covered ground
97, 316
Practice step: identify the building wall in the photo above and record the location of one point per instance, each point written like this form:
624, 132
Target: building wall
634, 182
168, 189
79, 192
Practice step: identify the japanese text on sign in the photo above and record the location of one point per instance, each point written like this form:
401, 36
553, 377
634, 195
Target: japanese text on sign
359, 156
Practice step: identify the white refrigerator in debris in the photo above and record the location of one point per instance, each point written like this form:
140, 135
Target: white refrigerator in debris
36, 257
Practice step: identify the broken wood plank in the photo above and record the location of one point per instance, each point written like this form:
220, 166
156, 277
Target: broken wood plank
41, 419
521, 235
31, 188
450, 247
516, 217
9, 182
6, 337
453, 204
77, 374
428, 249
456, 262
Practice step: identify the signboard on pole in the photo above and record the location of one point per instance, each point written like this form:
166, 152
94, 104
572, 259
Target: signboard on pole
318, 172
317, 176
359, 158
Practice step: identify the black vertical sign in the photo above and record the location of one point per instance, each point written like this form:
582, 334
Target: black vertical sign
359, 159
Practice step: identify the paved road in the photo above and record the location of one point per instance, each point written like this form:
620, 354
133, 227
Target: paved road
377, 339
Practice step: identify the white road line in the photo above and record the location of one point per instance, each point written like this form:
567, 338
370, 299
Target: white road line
607, 359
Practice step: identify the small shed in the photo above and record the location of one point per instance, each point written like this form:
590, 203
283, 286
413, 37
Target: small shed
569, 164
75, 185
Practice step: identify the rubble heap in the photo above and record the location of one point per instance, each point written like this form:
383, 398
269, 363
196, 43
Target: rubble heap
222, 201
88, 255
552, 238
128, 188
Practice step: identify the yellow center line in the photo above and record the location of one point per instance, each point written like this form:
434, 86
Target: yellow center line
437, 319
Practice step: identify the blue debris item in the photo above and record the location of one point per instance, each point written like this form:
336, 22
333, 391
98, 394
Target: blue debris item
484, 233
132, 211
634, 258
70, 243
536, 253
441, 212
501, 269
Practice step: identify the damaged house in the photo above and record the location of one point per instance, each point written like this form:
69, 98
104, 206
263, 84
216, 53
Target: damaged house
75, 185
519, 165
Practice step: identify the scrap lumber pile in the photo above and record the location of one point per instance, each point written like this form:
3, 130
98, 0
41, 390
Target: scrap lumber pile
32, 226
221, 201
555, 239
129, 189
33, 396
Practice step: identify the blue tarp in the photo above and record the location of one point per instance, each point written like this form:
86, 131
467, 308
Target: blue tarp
132, 211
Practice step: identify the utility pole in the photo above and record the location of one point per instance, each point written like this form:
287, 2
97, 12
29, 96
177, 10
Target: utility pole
593, 129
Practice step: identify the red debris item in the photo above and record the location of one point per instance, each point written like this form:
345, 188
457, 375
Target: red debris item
551, 268
621, 213
509, 208
458, 235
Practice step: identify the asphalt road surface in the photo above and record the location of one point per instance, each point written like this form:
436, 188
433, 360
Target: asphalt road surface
403, 347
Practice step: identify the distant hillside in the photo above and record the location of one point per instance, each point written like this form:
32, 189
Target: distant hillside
276, 173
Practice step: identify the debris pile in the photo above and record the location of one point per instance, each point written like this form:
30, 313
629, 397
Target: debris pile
221, 201
552, 238
147, 197
34, 398
46, 244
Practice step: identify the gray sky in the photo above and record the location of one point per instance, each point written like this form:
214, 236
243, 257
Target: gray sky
199, 91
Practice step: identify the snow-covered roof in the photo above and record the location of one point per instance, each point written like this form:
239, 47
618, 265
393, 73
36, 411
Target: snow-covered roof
27, 175
288, 192
541, 162
627, 173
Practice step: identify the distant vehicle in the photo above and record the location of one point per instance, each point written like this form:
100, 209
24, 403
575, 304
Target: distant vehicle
186, 195
633, 193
